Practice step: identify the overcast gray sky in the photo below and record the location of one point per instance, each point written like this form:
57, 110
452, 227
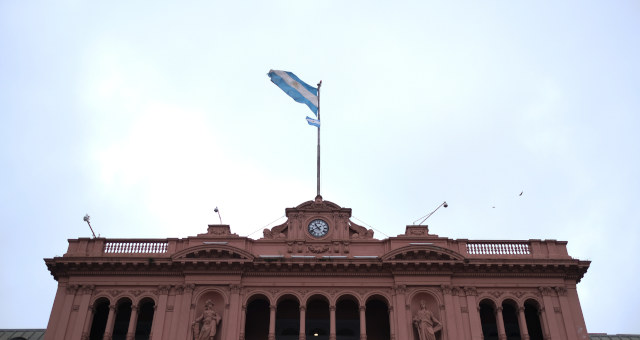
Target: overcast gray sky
148, 114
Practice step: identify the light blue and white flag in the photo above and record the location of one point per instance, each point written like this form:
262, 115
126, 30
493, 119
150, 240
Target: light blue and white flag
313, 122
296, 88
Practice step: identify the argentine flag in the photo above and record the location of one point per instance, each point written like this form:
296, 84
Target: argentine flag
296, 88
313, 122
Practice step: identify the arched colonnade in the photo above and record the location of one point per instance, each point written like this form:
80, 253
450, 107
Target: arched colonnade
513, 319
315, 317
125, 318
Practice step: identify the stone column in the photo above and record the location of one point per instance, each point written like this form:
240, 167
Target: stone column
502, 335
243, 317
363, 323
522, 323
303, 323
111, 319
133, 320
272, 322
80, 324
159, 313
332, 322
86, 329
474, 317
450, 328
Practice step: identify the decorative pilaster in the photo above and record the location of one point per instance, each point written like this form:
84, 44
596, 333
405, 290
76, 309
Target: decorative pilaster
272, 322
474, 317
451, 328
565, 307
160, 312
61, 328
548, 314
402, 319
243, 317
363, 323
543, 324
392, 324
185, 311
81, 321
86, 329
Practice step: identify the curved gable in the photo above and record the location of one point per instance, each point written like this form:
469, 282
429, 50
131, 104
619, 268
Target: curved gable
417, 253
214, 252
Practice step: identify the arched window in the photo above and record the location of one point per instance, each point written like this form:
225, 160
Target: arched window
377, 316
145, 319
488, 320
257, 319
510, 318
123, 316
99, 322
532, 316
347, 319
317, 318
288, 319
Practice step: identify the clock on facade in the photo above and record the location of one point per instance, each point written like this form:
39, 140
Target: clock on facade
318, 228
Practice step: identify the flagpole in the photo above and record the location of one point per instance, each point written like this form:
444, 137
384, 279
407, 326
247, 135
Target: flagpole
319, 84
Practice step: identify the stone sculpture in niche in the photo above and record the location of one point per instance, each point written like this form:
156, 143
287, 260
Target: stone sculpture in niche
205, 326
426, 324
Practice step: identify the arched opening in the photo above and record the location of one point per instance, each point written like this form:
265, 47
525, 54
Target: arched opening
488, 320
99, 322
123, 316
510, 317
257, 319
288, 319
377, 315
532, 316
317, 318
347, 319
145, 319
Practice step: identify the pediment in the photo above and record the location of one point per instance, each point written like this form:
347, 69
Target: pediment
213, 252
420, 253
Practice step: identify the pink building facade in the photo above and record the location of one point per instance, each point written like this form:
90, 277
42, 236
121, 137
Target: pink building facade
316, 276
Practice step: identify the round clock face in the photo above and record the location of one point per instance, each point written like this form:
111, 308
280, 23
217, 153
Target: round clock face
318, 228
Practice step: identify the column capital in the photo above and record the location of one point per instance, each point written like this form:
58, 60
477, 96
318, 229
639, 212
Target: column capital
112, 308
273, 308
446, 289
302, 308
332, 308
134, 308
363, 308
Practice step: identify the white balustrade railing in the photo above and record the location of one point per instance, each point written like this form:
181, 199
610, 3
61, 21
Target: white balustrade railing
136, 247
507, 248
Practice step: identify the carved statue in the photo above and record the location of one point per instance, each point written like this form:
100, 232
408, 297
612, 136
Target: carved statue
426, 324
205, 326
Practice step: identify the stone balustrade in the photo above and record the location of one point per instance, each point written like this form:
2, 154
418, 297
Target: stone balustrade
135, 247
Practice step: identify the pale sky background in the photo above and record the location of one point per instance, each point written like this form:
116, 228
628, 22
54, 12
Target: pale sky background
148, 114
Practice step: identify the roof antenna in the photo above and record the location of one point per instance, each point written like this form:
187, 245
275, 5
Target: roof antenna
424, 218
218, 211
86, 219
